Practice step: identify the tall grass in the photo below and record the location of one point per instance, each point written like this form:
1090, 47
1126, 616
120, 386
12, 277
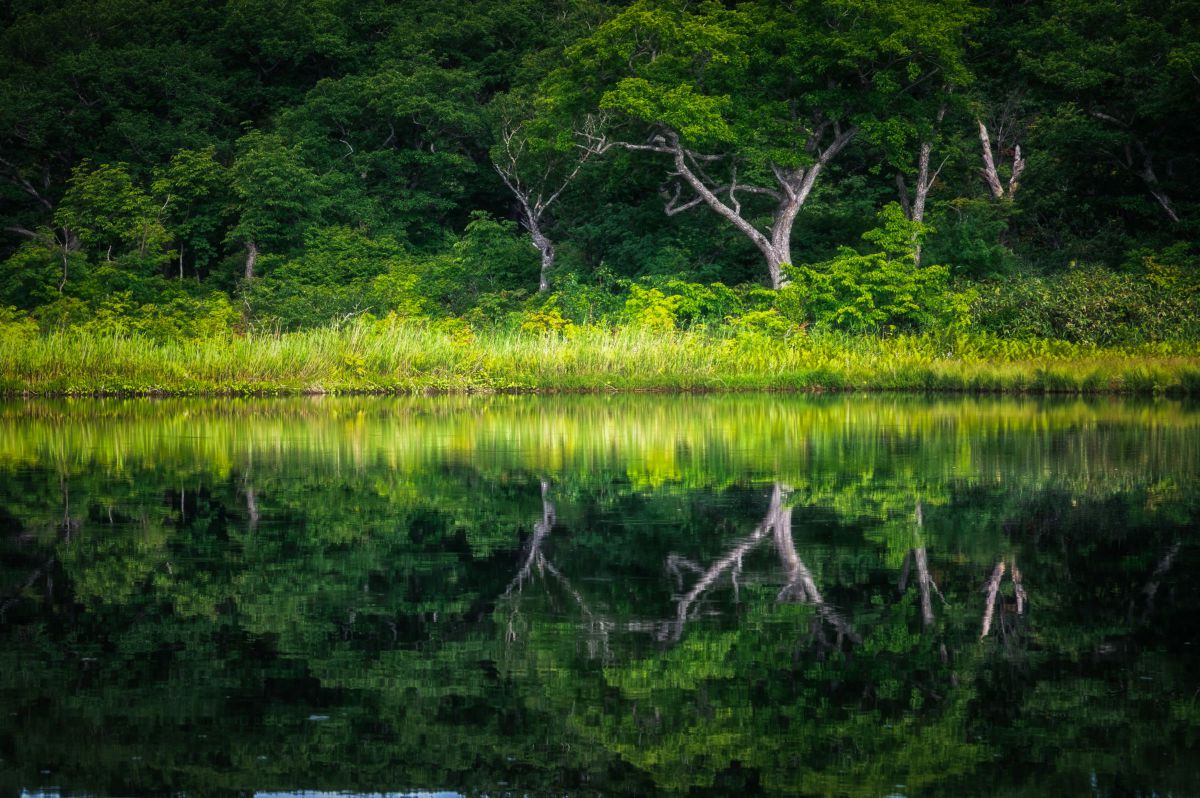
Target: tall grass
412, 358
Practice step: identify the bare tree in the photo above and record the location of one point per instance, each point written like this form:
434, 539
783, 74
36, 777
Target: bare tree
533, 558
537, 180
694, 186
800, 585
1135, 157
914, 203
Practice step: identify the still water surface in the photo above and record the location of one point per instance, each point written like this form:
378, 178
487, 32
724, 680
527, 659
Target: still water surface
600, 596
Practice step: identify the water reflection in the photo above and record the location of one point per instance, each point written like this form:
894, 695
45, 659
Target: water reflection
599, 596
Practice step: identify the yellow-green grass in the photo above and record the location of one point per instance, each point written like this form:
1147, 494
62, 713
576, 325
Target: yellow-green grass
415, 358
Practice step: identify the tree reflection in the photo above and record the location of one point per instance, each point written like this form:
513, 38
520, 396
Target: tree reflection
655, 609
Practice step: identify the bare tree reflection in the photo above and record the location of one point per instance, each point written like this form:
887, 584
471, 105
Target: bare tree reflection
1151, 589
926, 587
994, 599
534, 561
800, 585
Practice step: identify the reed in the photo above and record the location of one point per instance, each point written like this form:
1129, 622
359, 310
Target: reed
415, 358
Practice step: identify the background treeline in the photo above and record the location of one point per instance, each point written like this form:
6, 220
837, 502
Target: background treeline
180, 168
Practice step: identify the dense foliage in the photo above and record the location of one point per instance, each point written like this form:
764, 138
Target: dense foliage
185, 168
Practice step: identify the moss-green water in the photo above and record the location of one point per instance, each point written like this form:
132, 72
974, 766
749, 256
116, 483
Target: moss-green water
752, 595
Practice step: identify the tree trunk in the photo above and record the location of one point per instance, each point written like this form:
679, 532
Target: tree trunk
251, 259
1151, 180
990, 174
543, 245
993, 595
776, 258
533, 552
252, 508
70, 245
924, 586
924, 183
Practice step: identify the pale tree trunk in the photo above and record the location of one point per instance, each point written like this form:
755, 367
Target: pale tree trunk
543, 245
1018, 589
70, 245
924, 182
992, 588
801, 586
914, 208
251, 259
533, 548
991, 175
924, 586
252, 508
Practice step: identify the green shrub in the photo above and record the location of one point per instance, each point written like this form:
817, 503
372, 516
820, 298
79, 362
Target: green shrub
546, 321
876, 291
1089, 304
589, 302
495, 252
651, 309
769, 324
699, 302
16, 325
31, 275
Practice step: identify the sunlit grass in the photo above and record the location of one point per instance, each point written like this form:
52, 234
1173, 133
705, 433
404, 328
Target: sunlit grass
413, 358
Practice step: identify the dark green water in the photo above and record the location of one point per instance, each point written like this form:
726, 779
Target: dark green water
600, 596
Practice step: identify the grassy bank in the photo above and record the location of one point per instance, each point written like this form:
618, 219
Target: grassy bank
404, 358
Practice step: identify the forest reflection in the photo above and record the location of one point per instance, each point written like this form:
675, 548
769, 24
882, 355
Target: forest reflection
600, 596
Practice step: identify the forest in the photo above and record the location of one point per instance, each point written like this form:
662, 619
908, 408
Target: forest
253, 195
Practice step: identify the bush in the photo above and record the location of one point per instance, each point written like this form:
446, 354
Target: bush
586, 303
32, 275
1090, 304
16, 325
766, 323
546, 321
880, 290
651, 309
698, 302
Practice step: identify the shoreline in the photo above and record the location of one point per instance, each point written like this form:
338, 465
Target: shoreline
1035, 389
409, 360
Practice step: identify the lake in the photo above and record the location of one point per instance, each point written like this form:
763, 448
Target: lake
600, 596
